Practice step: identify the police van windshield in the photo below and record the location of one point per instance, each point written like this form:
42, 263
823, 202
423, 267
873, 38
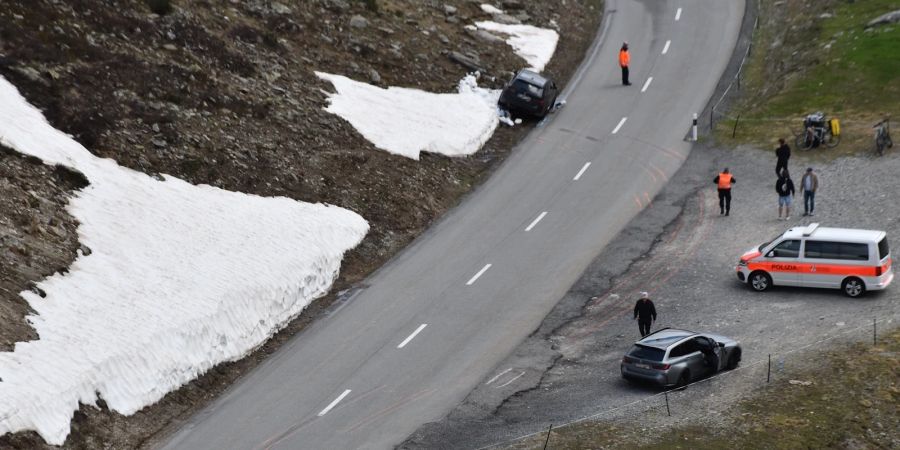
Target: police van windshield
766, 244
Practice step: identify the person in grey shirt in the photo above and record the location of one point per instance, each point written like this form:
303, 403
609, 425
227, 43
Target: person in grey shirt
809, 183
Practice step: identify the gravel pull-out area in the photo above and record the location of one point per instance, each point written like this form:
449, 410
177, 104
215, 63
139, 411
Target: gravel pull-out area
684, 253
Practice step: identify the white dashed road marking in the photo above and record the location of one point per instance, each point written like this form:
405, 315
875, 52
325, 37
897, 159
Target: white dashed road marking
678, 14
581, 172
410, 337
536, 221
480, 273
334, 403
621, 122
666, 47
646, 84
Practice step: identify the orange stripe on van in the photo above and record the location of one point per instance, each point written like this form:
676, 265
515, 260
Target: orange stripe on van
820, 269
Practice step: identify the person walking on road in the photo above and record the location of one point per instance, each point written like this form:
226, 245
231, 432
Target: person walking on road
724, 181
809, 183
644, 313
783, 154
624, 60
784, 186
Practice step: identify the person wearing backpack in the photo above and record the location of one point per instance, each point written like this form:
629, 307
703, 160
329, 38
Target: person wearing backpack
784, 186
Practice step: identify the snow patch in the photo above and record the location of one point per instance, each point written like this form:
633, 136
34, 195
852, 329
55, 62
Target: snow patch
407, 121
535, 45
181, 278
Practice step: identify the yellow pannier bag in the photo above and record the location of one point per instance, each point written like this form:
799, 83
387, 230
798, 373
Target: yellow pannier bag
835, 127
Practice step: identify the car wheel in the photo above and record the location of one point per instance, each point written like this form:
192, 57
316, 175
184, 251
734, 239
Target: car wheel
683, 380
853, 287
734, 360
760, 281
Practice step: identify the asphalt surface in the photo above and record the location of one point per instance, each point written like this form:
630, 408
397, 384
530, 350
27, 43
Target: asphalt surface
486, 275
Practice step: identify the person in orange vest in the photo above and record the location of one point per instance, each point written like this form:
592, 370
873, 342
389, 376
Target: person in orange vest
624, 59
724, 181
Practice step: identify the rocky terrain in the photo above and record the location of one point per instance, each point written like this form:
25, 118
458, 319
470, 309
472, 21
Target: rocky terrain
223, 93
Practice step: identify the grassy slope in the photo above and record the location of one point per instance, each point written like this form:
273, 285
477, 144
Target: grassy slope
852, 403
857, 79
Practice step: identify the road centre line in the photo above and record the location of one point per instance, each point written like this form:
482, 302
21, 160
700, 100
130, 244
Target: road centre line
541, 216
678, 14
581, 172
621, 122
334, 403
480, 273
646, 84
666, 47
410, 337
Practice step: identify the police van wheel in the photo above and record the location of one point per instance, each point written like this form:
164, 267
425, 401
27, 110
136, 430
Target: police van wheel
760, 281
853, 287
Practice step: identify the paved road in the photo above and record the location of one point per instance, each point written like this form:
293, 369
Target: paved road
485, 276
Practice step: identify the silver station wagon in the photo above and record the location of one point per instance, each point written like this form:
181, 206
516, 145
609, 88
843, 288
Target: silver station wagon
672, 357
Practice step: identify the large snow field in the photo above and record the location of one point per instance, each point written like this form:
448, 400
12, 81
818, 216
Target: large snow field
534, 44
407, 121
180, 278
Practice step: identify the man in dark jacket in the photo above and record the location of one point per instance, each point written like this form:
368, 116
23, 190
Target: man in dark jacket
784, 186
644, 313
783, 154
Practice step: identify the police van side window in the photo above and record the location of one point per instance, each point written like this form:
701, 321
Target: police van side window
836, 250
787, 249
883, 249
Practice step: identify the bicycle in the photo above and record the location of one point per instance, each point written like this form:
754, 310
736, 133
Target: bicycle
816, 131
883, 136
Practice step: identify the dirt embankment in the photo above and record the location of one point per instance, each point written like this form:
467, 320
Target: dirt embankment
223, 93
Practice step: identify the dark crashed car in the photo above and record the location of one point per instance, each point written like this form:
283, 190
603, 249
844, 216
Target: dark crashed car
672, 357
529, 94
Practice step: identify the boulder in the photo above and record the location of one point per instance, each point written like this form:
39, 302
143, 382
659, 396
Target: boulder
885, 19
358, 21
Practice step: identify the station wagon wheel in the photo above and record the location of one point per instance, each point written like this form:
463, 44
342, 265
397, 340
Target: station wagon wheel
760, 281
683, 380
853, 287
734, 360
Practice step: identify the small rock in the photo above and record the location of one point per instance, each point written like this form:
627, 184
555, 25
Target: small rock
374, 76
449, 10
171, 35
170, 47
155, 127
452, 19
358, 21
506, 19
443, 38
160, 143
279, 8
800, 382
337, 5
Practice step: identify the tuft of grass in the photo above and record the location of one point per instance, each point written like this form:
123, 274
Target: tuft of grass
852, 403
827, 61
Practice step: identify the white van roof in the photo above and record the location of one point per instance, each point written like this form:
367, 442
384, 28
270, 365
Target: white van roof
834, 234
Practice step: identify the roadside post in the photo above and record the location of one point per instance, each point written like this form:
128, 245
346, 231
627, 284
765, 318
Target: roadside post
874, 331
548, 436
769, 370
694, 129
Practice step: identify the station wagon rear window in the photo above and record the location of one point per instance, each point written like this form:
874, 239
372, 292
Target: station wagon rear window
522, 87
836, 250
646, 353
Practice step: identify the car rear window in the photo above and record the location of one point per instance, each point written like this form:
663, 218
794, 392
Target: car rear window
836, 250
646, 353
523, 87
883, 249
